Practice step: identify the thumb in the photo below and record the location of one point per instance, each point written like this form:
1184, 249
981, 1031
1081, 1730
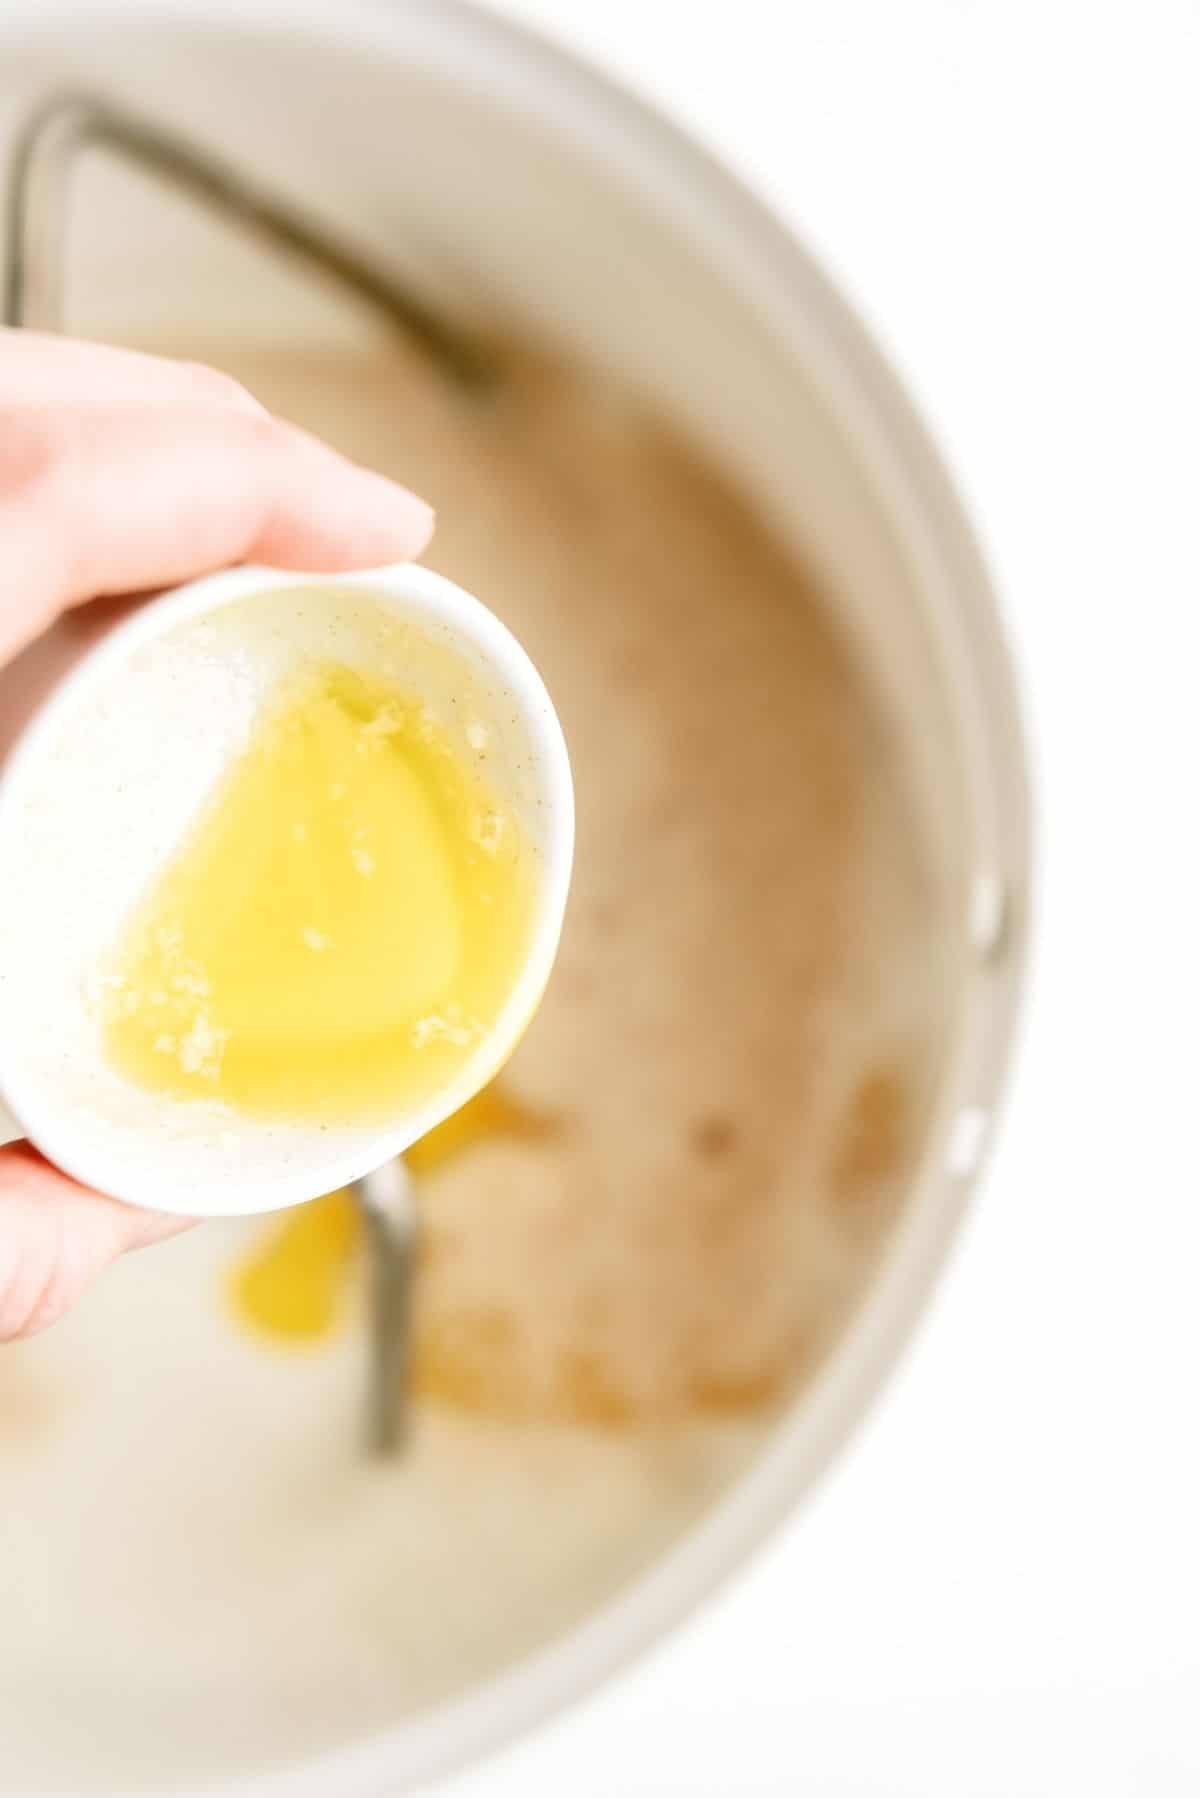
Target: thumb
56, 1237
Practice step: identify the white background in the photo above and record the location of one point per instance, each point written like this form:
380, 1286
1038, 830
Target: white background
997, 1593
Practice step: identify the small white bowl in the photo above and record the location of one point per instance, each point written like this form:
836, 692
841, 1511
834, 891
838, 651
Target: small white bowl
103, 784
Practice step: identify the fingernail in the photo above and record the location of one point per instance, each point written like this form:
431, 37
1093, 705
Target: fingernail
422, 521
404, 521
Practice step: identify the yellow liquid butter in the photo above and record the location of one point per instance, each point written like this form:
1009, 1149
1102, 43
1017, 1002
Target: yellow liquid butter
293, 1283
343, 924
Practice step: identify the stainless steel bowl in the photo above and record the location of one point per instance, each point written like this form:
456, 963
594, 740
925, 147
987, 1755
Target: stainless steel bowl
514, 191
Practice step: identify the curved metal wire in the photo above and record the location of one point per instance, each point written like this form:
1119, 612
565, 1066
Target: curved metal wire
35, 218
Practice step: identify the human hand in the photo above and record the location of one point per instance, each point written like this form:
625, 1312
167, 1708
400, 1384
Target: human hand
119, 474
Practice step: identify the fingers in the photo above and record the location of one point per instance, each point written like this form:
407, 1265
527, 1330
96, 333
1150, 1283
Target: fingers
56, 1238
113, 500
59, 372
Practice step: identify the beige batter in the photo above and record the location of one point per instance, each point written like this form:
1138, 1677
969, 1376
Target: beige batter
732, 1065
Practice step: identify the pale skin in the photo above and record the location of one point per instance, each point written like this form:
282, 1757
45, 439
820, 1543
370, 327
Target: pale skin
121, 474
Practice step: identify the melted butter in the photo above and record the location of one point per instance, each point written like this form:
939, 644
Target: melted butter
342, 926
293, 1284
493, 1113
294, 1281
